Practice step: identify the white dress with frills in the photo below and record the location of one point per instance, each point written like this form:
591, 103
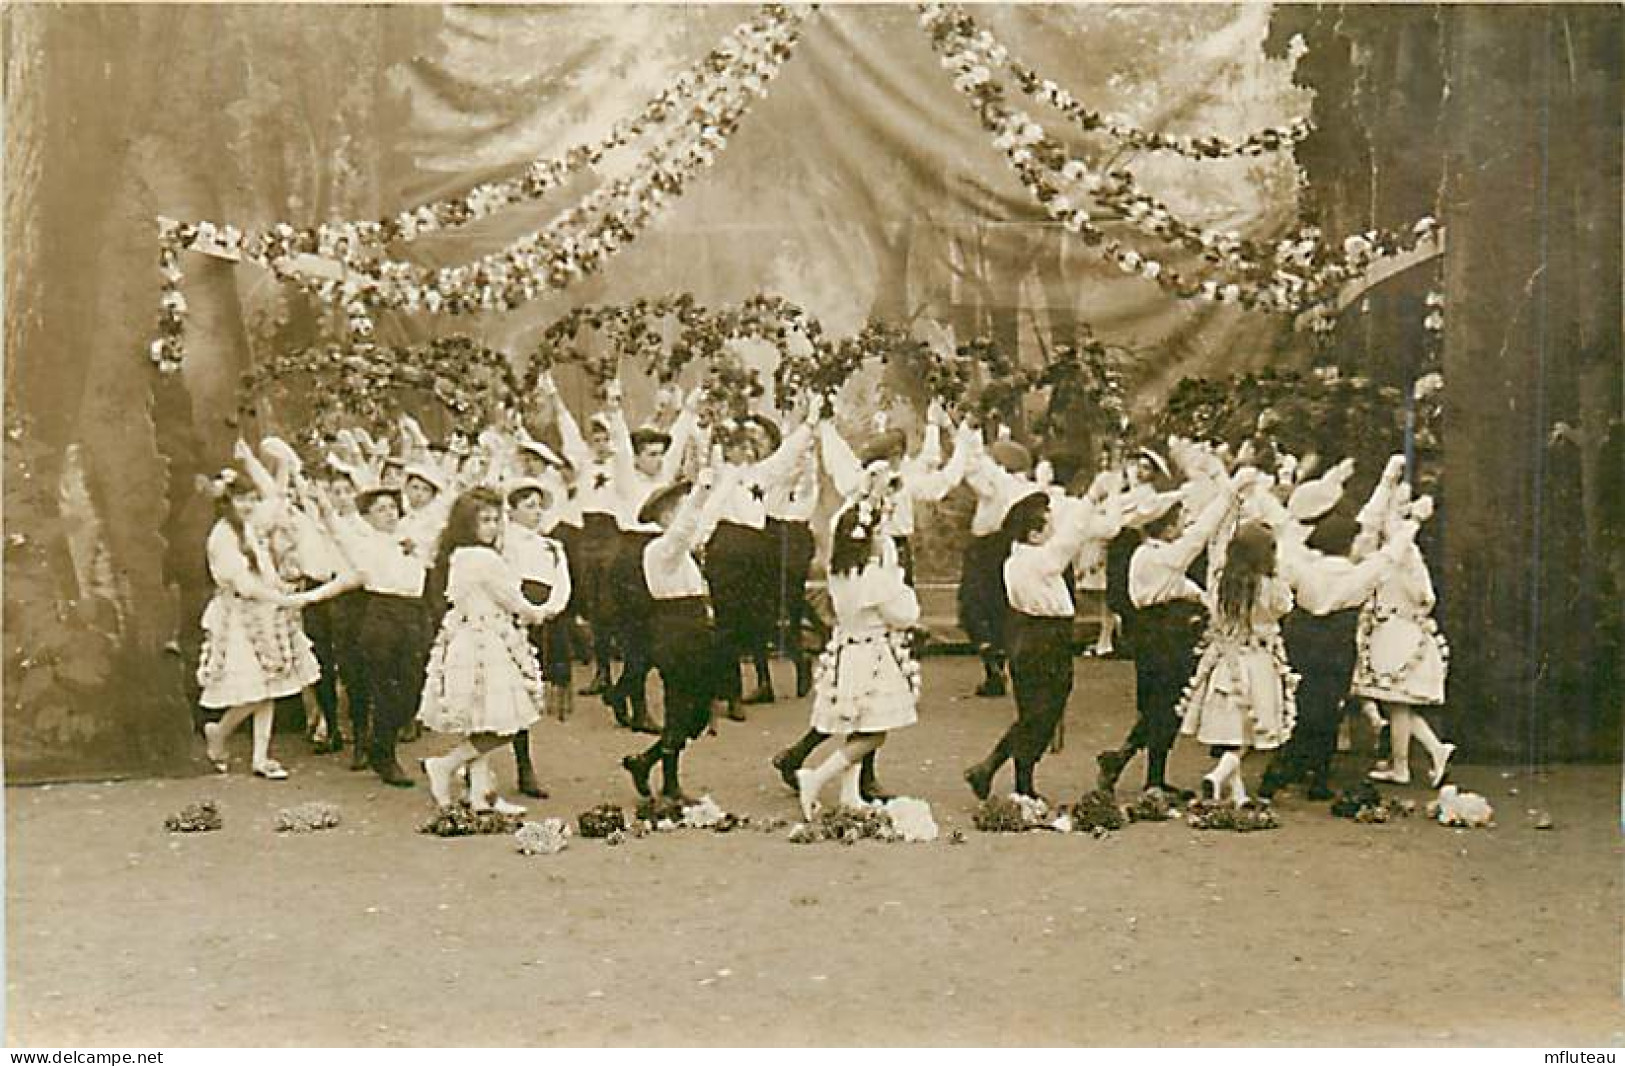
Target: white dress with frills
483, 676
1403, 658
867, 680
1243, 692
253, 649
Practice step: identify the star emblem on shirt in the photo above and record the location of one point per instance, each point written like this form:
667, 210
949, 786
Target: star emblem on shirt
600, 480
757, 492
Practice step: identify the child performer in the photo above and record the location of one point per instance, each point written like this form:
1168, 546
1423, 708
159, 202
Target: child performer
868, 682
1044, 540
645, 461
1403, 658
996, 475
599, 499
254, 648
740, 559
1163, 622
685, 648
1242, 696
544, 575
391, 632
483, 680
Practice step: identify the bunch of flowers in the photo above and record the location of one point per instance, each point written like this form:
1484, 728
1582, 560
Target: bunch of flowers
547, 837
1462, 810
601, 821
311, 817
842, 826
1152, 805
1096, 812
706, 814
1011, 814
1285, 277
1249, 817
201, 817
461, 820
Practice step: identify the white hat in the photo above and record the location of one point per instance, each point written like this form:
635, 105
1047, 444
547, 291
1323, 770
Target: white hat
427, 472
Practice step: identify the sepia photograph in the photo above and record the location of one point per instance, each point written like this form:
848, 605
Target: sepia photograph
876, 525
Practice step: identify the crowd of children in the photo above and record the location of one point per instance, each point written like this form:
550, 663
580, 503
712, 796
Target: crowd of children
444, 587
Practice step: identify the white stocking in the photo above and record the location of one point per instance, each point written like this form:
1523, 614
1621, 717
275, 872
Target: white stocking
264, 718
851, 795
1399, 725
1424, 734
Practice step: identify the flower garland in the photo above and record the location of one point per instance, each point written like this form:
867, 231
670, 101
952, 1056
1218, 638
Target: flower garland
573, 246
1286, 278
1269, 139
354, 385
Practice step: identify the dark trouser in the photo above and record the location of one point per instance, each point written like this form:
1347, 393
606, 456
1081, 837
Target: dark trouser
1322, 650
594, 561
982, 604
320, 628
794, 548
637, 658
1041, 672
551, 641
1163, 639
739, 565
393, 639
344, 616
684, 650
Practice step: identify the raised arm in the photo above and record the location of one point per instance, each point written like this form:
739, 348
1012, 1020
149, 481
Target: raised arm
574, 444
845, 471
682, 431
933, 485
781, 464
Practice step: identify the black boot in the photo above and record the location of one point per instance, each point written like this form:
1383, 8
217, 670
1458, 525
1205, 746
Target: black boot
764, 681
980, 779
788, 761
359, 759
1110, 764
670, 786
640, 766
528, 784
804, 676
870, 789
1024, 779
735, 712
383, 761
992, 674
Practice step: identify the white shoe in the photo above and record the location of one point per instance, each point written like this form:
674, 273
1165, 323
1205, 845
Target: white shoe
271, 770
1442, 767
1391, 776
502, 806
809, 794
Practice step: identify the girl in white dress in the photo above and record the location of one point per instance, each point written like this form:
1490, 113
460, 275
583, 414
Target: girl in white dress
254, 646
867, 682
1402, 657
1242, 695
483, 680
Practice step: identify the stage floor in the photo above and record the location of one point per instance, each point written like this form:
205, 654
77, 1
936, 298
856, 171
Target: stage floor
1323, 932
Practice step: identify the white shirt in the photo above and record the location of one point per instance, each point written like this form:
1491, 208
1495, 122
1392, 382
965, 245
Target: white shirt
596, 490
1157, 571
632, 485
541, 559
996, 490
423, 526
795, 498
745, 503
923, 476
383, 561
230, 567
669, 567
1034, 573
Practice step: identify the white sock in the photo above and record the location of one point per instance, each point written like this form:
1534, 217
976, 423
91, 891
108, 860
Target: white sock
264, 718
1424, 734
831, 768
1399, 736
851, 794
481, 783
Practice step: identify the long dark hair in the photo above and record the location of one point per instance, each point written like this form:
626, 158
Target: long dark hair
1249, 560
225, 510
849, 554
461, 532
